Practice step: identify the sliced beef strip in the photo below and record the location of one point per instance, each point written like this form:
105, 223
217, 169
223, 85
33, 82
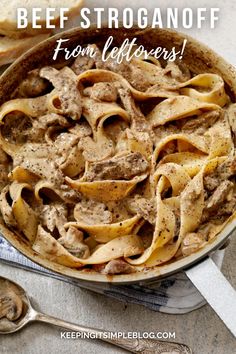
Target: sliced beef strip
136, 77
223, 172
144, 207
92, 213
192, 196
227, 169
66, 86
118, 266
222, 211
227, 208
192, 242
231, 113
219, 195
73, 242
210, 183
200, 124
137, 117
102, 91
119, 210
221, 203
123, 167
54, 216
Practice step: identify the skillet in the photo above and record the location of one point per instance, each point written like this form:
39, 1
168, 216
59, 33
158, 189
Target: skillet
199, 267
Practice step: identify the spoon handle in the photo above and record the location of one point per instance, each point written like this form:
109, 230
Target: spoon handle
133, 345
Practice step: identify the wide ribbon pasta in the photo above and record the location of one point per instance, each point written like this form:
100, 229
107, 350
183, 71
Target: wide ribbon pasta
125, 162
177, 108
103, 233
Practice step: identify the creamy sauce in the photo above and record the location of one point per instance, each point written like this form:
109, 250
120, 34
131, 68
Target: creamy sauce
136, 159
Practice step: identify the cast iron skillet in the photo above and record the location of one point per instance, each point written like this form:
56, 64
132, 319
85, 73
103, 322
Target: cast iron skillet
200, 59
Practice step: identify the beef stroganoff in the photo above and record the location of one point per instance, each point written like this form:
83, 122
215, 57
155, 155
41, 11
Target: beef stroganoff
118, 167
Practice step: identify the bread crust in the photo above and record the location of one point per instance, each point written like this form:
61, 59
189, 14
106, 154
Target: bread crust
11, 49
8, 20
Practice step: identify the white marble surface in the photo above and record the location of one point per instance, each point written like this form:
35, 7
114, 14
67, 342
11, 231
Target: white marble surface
202, 329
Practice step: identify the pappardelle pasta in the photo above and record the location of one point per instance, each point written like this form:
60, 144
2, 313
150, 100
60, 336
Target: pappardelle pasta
118, 167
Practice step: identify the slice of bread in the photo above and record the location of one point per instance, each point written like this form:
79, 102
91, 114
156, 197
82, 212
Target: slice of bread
8, 15
11, 49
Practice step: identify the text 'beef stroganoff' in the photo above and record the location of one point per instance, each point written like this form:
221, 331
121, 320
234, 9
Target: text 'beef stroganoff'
118, 167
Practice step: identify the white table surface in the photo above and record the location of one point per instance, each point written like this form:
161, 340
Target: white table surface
201, 329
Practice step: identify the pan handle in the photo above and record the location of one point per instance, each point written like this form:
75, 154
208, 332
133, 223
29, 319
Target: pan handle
216, 289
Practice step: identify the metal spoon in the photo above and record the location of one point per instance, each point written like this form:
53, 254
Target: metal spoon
16, 311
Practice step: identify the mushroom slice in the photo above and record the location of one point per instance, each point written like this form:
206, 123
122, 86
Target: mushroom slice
73, 242
11, 305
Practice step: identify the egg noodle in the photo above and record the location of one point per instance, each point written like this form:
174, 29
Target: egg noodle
117, 167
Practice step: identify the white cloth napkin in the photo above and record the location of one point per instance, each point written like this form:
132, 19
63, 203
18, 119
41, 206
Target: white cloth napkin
174, 295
